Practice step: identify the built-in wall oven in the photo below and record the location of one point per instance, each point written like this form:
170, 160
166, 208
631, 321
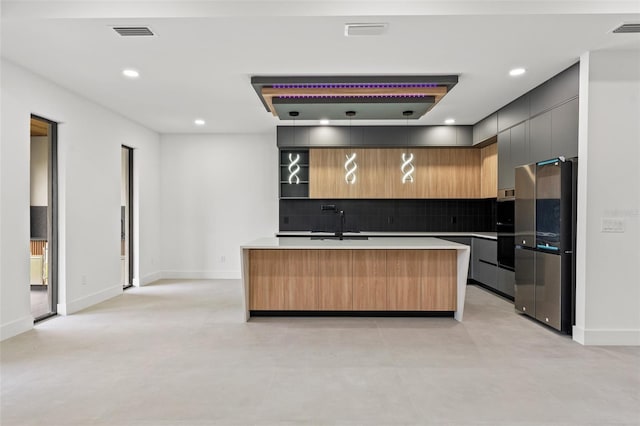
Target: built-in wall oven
505, 211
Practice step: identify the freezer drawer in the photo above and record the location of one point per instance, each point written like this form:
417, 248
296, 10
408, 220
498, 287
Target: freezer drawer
525, 281
548, 289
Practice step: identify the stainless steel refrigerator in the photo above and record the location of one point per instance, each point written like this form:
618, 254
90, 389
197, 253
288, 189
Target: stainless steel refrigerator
544, 236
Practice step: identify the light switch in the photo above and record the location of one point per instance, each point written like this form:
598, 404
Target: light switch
612, 224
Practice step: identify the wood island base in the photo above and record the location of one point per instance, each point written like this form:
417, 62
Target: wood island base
298, 276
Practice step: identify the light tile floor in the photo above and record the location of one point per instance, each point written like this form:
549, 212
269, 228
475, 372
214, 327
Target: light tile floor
178, 353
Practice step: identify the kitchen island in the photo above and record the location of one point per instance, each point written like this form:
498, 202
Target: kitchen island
414, 275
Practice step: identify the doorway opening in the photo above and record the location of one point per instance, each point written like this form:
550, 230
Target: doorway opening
126, 217
43, 244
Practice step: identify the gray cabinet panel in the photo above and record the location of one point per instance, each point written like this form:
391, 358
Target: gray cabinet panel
556, 90
519, 146
485, 129
504, 160
514, 113
486, 274
564, 130
385, 136
464, 135
506, 281
432, 135
486, 250
335, 136
292, 136
540, 138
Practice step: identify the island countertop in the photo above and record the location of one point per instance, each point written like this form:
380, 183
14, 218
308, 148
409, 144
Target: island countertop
303, 274
390, 234
371, 243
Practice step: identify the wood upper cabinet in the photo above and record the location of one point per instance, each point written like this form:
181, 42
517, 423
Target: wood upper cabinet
438, 280
328, 169
369, 280
489, 171
394, 185
438, 173
448, 173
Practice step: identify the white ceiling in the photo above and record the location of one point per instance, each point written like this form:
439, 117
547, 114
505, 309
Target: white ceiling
205, 52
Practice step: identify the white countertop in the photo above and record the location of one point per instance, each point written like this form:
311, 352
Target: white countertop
373, 243
486, 235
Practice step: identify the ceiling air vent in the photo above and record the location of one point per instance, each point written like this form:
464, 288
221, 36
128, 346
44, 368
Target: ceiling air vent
134, 31
371, 29
627, 28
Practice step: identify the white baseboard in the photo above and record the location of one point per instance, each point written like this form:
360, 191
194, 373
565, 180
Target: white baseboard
15, 327
606, 337
201, 275
90, 300
148, 279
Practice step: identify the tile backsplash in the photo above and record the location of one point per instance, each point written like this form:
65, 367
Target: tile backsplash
425, 215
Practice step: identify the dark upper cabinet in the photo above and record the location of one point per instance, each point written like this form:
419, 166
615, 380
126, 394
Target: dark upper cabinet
373, 136
485, 129
564, 130
464, 135
505, 175
519, 147
556, 90
513, 151
292, 136
385, 136
432, 135
540, 138
335, 136
514, 113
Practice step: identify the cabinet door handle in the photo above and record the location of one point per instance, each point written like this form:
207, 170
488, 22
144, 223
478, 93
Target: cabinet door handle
487, 262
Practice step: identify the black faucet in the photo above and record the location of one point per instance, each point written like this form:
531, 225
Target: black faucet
332, 207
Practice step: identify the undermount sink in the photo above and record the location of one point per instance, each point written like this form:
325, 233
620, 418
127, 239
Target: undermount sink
345, 237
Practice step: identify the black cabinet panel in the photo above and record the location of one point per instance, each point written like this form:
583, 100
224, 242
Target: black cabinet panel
564, 130
540, 138
514, 113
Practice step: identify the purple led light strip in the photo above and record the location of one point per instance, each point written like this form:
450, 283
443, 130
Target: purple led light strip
412, 95
352, 86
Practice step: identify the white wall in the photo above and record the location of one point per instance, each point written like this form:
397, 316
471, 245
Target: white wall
608, 264
218, 191
89, 141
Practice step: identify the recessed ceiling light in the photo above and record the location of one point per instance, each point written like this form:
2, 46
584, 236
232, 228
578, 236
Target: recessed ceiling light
517, 71
131, 73
324, 121
449, 121
199, 122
